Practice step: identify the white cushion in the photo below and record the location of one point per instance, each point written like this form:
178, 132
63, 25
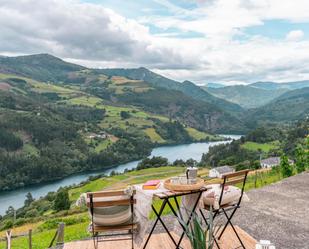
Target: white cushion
211, 197
112, 215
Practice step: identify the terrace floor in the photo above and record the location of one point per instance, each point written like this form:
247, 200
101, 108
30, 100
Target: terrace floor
162, 241
279, 213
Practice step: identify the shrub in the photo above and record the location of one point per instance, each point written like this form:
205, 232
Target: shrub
62, 201
32, 213
7, 225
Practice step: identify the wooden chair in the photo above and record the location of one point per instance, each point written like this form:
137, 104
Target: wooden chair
239, 177
104, 199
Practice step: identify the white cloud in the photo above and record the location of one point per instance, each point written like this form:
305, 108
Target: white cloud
95, 36
295, 35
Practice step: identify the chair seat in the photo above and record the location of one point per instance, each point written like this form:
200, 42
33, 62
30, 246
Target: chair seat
226, 207
115, 228
212, 197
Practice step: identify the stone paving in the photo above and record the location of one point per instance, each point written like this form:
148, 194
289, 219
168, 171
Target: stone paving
279, 213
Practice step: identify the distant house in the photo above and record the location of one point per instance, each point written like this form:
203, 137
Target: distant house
220, 171
272, 162
101, 135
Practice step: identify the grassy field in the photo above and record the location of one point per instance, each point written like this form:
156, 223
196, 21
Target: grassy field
266, 147
261, 178
199, 135
154, 136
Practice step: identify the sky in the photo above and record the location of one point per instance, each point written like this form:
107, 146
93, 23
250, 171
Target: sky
221, 41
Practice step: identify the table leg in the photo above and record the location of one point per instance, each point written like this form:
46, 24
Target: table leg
190, 217
155, 223
164, 226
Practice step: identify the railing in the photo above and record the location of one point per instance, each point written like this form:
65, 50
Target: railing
58, 238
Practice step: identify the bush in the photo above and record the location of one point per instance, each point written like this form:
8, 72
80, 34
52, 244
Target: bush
153, 162
286, 168
124, 115
32, 213
7, 225
20, 222
53, 223
62, 201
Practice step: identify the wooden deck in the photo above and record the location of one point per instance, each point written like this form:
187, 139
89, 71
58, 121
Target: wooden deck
162, 241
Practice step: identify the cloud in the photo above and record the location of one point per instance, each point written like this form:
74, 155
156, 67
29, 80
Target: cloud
95, 36
295, 35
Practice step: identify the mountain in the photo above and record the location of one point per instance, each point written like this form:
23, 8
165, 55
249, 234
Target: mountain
42, 67
275, 86
214, 85
91, 125
246, 96
47, 68
187, 87
291, 106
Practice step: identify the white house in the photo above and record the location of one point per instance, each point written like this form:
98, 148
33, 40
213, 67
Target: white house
218, 172
272, 162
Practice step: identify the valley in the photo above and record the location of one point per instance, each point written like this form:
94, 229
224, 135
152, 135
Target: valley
69, 129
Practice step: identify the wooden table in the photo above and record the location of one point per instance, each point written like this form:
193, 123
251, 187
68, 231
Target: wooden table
166, 198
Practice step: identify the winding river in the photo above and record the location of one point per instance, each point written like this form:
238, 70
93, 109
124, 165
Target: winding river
16, 198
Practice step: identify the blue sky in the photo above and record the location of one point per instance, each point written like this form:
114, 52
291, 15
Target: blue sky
277, 29
224, 41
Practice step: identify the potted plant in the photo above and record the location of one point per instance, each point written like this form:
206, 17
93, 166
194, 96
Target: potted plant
199, 237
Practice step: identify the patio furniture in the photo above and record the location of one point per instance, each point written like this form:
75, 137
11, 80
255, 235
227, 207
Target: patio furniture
224, 201
112, 211
166, 197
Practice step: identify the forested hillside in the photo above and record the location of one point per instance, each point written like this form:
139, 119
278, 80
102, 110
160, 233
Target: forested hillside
289, 107
263, 142
84, 121
246, 96
275, 86
58, 118
187, 87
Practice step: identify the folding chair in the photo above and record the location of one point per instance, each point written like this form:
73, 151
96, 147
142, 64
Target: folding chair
228, 179
105, 201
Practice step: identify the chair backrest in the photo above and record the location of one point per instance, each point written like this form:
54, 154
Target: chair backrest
232, 179
109, 198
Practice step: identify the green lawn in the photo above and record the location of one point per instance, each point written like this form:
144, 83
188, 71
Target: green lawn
266, 147
154, 136
30, 149
85, 100
200, 135
262, 178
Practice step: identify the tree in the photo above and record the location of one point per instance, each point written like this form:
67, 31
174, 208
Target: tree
29, 199
10, 211
300, 160
286, 168
191, 162
124, 115
179, 162
62, 201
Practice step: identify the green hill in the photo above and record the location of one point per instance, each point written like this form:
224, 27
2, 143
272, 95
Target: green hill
116, 86
246, 96
291, 106
187, 87
287, 85
86, 124
43, 67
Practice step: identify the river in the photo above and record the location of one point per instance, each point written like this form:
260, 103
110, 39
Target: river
16, 197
